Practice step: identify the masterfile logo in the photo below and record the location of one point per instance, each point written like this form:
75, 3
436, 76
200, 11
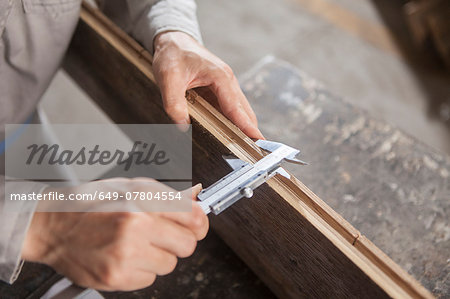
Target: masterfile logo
98, 168
161, 152
54, 155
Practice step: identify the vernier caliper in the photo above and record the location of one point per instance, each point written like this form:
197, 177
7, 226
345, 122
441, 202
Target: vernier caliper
246, 177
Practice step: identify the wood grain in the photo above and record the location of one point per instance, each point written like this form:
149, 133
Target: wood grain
289, 237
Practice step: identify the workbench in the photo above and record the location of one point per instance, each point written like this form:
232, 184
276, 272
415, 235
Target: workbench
391, 187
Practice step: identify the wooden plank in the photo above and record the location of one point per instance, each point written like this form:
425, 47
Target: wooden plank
289, 237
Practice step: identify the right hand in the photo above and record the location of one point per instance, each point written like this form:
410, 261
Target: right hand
118, 250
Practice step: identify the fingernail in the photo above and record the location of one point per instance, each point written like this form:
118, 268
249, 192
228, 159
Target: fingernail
263, 138
197, 188
260, 135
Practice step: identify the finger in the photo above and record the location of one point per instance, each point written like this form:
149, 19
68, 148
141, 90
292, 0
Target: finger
130, 280
194, 191
139, 280
196, 220
248, 109
173, 237
173, 90
230, 100
239, 95
234, 86
155, 260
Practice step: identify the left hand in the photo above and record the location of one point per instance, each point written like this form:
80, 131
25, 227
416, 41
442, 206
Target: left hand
114, 251
181, 63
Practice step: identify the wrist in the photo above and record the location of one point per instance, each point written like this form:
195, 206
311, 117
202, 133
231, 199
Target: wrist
37, 246
171, 38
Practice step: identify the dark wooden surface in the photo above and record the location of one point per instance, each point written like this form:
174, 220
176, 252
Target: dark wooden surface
391, 187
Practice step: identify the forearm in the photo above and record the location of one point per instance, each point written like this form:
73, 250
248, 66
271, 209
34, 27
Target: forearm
145, 19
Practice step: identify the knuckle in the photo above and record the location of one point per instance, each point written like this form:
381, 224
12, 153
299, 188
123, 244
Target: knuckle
198, 218
167, 263
121, 252
110, 277
171, 263
163, 69
165, 66
199, 222
232, 110
125, 221
151, 279
124, 216
188, 246
175, 109
228, 71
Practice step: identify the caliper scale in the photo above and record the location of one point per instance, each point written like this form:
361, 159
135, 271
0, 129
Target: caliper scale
246, 177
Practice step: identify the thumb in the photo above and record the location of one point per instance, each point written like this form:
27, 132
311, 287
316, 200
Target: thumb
193, 191
196, 190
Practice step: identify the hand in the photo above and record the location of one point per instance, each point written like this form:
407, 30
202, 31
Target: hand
115, 251
181, 63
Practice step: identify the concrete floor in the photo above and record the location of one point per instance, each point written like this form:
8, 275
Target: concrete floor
365, 75
361, 65
373, 175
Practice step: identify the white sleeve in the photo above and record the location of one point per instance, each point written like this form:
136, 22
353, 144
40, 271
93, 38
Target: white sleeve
14, 223
144, 19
